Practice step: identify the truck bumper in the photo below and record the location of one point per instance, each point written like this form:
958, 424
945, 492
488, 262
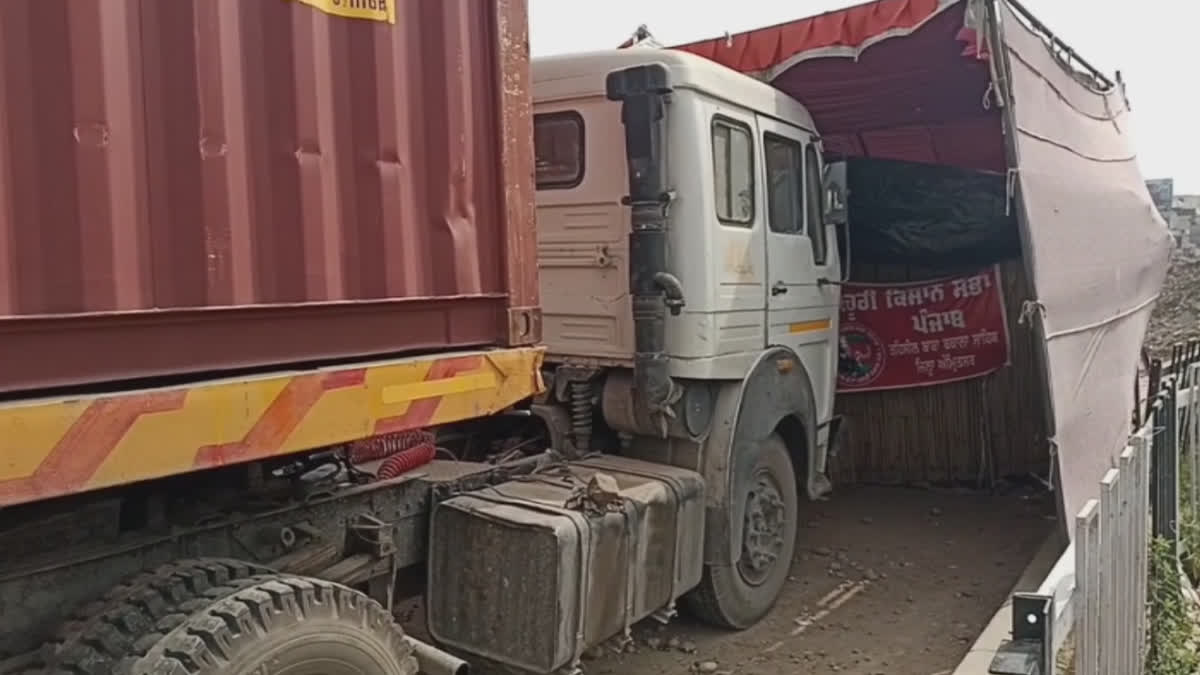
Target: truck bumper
63, 446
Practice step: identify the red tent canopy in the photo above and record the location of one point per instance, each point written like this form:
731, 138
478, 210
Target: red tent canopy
923, 98
913, 80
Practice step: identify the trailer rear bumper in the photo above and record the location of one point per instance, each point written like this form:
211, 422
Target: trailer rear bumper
62, 446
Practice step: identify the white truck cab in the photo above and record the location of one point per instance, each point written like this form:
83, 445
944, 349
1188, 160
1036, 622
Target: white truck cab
746, 235
689, 284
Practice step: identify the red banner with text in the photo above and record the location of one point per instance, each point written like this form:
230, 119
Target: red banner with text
901, 335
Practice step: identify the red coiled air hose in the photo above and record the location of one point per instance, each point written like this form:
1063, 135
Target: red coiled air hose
378, 447
406, 460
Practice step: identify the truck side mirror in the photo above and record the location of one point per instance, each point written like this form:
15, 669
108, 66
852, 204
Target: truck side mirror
836, 190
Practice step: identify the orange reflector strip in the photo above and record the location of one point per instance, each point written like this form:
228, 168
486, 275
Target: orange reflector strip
809, 326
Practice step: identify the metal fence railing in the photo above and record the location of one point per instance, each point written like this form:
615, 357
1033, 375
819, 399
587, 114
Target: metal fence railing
1111, 565
1139, 500
1186, 430
1104, 602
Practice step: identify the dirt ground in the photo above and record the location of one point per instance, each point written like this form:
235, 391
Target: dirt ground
885, 580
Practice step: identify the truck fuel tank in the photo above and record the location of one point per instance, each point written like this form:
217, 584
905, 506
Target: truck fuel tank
533, 572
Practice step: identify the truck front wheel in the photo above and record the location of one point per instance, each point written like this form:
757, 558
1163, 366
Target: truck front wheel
738, 596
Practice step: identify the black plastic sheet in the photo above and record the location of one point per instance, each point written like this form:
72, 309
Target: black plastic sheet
928, 215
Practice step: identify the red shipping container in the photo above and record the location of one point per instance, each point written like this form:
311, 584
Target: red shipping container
193, 186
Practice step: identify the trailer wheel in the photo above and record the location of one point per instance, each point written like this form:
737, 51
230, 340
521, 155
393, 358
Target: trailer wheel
738, 596
101, 633
282, 623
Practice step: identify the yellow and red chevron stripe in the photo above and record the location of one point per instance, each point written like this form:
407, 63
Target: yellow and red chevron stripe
50, 448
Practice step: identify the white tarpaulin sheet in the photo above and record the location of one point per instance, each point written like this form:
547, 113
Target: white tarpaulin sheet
1096, 245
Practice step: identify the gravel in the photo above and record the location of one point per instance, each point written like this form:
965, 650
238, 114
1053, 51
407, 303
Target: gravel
1176, 316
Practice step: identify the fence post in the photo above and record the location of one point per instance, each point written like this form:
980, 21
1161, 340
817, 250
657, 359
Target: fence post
1110, 573
1153, 382
1141, 532
1087, 589
1171, 463
1164, 483
1192, 446
1127, 559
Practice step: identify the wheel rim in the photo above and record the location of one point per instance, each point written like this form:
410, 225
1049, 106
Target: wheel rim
762, 529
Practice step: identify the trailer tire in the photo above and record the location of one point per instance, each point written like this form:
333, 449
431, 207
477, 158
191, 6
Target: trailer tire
101, 633
738, 596
282, 620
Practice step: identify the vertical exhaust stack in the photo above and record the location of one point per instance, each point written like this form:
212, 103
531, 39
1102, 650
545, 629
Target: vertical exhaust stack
643, 91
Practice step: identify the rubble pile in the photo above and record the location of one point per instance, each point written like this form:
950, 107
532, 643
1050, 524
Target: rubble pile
1176, 316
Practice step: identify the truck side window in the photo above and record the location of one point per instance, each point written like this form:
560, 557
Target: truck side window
785, 193
558, 149
733, 172
814, 204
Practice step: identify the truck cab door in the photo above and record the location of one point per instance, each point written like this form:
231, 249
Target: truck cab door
802, 311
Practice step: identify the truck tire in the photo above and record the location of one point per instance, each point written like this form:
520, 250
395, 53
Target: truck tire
738, 596
103, 632
286, 623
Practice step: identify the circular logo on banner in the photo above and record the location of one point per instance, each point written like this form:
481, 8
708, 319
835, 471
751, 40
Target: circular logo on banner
861, 356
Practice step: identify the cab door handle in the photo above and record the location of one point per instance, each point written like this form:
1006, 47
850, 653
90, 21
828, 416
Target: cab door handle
779, 288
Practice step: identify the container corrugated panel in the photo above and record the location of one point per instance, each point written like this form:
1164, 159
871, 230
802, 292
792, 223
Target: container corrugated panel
202, 185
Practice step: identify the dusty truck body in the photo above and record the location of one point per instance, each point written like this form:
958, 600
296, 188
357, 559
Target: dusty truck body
241, 436
271, 344
232, 235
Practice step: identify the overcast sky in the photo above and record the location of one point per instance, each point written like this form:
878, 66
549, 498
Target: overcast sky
1156, 47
